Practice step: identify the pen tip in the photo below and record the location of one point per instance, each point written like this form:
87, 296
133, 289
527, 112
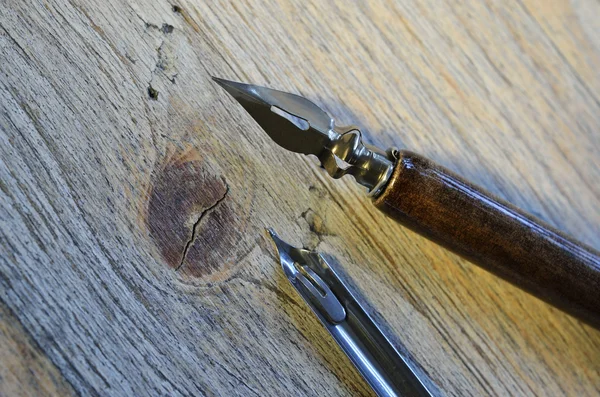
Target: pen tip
271, 232
274, 236
228, 84
286, 254
219, 81
283, 248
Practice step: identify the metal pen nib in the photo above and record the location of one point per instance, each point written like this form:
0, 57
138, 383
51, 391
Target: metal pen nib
386, 371
298, 125
298, 266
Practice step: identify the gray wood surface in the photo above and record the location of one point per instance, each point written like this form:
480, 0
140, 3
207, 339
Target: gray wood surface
134, 192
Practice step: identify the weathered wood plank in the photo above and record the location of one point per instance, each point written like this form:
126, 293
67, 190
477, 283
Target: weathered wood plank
25, 370
134, 192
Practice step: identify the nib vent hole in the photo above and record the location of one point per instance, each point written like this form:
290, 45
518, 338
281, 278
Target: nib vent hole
312, 278
297, 121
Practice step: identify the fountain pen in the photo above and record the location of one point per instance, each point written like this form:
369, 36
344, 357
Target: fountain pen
435, 202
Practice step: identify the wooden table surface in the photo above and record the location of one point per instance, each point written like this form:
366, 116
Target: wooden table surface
134, 192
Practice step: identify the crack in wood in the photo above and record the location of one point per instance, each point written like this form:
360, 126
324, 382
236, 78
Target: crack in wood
197, 223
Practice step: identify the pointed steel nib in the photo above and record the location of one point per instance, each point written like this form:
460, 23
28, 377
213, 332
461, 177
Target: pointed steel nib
236, 90
298, 125
387, 371
286, 253
294, 123
305, 270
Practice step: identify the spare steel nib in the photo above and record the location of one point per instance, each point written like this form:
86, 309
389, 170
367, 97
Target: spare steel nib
298, 125
387, 371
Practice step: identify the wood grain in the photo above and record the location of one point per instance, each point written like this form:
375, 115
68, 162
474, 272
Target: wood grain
24, 369
134, 192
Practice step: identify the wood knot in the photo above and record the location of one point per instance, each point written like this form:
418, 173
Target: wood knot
192, 219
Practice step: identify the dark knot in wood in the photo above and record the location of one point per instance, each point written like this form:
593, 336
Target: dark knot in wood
190, 216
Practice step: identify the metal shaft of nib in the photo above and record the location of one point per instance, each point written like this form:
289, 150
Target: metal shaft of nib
387, 371
298, 125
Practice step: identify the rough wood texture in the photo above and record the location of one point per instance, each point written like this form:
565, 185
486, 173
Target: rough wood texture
134, 191
494, 234
24, 369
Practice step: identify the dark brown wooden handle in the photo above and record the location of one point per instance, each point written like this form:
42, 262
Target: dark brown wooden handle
494, 235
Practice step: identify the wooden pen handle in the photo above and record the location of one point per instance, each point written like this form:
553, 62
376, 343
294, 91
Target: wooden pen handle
494, 235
